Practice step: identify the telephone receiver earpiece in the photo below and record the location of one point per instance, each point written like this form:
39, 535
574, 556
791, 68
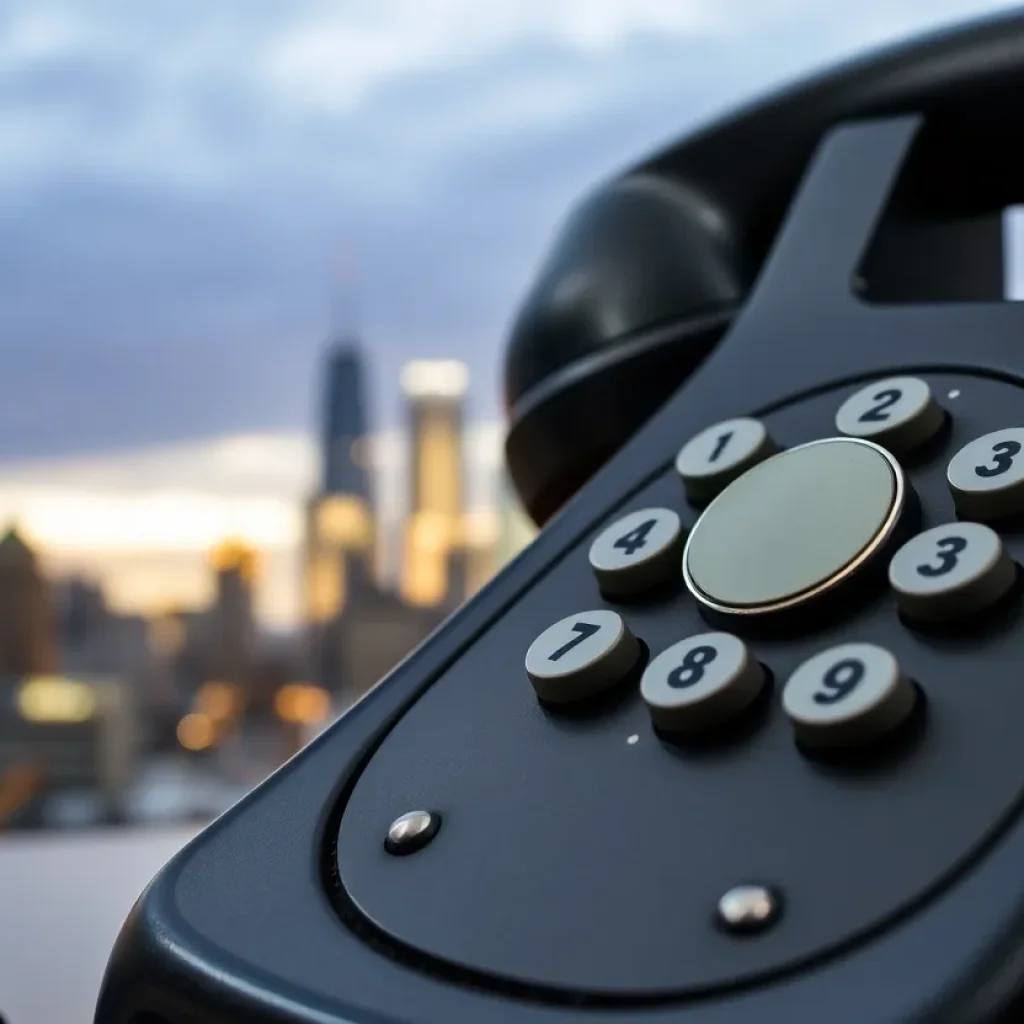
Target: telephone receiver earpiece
650, 271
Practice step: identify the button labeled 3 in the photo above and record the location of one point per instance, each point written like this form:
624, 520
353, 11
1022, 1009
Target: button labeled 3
701, 682
580, 656
986, 477
638, 552
951, 572
847, 696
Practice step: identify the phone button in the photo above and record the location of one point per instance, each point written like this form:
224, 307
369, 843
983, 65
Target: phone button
638, 552
701, 682
848, 696
986, 477
581, 656
951, 572
899, 413
718, 455
794, 527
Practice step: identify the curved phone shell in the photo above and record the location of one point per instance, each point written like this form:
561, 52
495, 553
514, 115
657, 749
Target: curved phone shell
861, 214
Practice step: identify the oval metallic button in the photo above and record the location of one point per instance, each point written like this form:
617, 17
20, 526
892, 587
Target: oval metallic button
794, 526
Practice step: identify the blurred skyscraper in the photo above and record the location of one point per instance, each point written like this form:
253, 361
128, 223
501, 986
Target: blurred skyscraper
345, 424
28, 639
233, 647
434, 556
340, 528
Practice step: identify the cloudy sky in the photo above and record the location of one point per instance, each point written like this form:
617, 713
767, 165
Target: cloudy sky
181, 180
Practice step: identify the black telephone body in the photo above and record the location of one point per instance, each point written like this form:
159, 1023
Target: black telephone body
740, 737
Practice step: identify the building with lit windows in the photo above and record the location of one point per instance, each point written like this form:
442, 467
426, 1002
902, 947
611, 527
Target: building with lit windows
233, 625
434, 562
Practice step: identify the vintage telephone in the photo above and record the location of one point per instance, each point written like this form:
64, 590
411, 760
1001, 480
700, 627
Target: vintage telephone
740, 737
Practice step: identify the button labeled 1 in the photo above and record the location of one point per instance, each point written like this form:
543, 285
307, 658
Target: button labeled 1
721, 453
581, 656
951, 572
848, 696
986, 477
701, 682
899, 414
638, 552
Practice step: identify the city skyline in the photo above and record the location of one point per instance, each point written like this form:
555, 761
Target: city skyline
142, 523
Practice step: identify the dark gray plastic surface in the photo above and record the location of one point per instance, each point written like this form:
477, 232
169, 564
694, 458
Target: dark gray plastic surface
570, 858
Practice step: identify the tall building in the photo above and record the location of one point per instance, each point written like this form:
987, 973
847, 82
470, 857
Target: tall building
28, 640
433, 557
345, 423
233, 627
340, 534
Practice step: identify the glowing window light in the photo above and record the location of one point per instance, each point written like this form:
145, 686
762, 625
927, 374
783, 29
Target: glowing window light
56, 699
442, 378
196, 731
301, 704
217, 700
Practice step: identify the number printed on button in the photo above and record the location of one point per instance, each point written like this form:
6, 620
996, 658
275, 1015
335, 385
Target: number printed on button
951, 571
899, 413
719, 454
638, 552
701, 682
580, 656
986, 477
847, 696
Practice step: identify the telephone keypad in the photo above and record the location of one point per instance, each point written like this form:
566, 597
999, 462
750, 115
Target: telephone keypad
847, 696
638, 553
714, 458
657, 765
986, 477
899, 413
581, 656
952, 571
701, 682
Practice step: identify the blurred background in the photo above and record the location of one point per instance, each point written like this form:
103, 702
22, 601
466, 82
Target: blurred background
258, 260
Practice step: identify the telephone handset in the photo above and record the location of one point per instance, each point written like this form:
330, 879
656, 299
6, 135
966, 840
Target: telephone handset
737, 738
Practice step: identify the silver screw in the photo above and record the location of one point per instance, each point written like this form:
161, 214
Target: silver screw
748, 908
412, 831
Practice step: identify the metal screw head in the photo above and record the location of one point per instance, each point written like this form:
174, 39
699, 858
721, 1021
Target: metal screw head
748, 908
412, 831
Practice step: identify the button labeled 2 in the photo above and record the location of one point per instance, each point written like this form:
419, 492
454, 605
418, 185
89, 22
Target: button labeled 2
898, 413
848, 696
580, 656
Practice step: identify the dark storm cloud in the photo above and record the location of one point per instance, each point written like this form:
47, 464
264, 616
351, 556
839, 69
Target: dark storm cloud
166, 264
